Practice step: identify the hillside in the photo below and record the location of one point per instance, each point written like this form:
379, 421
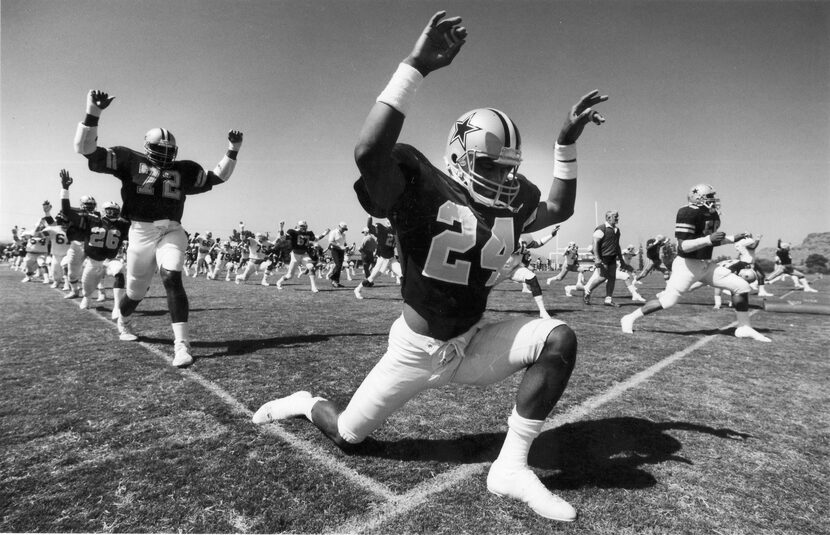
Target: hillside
815, 242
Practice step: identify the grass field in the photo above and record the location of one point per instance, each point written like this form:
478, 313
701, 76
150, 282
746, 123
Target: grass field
679, 428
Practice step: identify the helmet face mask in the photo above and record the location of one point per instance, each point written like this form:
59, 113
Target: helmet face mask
112, 210
88, 203
483, 154
160, 147
705, 196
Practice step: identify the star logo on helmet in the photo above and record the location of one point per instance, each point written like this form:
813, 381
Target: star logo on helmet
462, 130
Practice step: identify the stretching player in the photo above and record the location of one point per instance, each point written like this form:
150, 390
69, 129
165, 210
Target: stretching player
696, 230
456, 233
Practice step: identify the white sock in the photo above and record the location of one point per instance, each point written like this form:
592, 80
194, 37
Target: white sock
637, 314
181, 332
521, 432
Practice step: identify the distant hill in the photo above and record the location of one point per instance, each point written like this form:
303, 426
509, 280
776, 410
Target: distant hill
814, 243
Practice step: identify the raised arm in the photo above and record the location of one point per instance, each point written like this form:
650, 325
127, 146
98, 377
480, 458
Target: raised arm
224, 169
559, 205
438, 44
86, 136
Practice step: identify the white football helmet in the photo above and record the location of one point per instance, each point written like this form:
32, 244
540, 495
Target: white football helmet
160, 147
112, 209
302, 224
88, 203
704, 195
485, 133
659, 238
785, 246
748, 274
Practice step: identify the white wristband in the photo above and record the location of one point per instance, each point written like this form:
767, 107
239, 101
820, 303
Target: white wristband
64, 194
400, 91
564, 164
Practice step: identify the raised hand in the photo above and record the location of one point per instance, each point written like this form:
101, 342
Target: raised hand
581, 114
66, 180
439, 43
235, 136
96, 101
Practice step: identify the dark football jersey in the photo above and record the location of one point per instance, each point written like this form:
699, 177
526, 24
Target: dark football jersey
696, 222
105, 236
386, 240
453, 251
653, 249
300, 240
150, 193
784, 256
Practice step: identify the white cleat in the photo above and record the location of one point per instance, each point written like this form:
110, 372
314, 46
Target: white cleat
745, 331
765, 294
115, 313
182, 356
523, 485
101, 297
265, 283
548, 281
357, 292
84, 304
627, 324
54, 284
569, 290
810, 290
71, 295
638, 298
282, 408
279, 285
26, 279
125, 329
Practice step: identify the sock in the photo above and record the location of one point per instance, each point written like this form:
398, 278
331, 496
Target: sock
637, 314
521, 432
181, 332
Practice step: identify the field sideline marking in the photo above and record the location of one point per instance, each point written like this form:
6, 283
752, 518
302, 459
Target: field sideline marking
274, 429
421, 493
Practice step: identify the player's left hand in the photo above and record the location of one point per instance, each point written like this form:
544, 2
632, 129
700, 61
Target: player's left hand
66, 180
235, 136
97, 101
438, 44
581, 114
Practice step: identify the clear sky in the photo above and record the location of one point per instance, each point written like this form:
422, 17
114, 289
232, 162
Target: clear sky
736, 94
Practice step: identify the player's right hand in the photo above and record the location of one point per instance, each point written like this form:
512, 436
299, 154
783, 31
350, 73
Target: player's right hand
439, 43
96, 101
717, 237
66, 180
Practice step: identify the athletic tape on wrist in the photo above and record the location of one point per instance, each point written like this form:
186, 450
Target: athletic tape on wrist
564, 165
400, 91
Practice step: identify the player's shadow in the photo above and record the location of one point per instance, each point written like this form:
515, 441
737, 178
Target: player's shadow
705, 332
605, 453
235, 348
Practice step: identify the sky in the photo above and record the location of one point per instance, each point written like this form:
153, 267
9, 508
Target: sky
735, 94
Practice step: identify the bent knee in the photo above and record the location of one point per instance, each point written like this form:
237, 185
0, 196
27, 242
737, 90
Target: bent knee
561, 346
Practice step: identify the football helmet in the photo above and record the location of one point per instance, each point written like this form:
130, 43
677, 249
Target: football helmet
259, 236
785, 246
160, 147
343, 226
112, 209
61, 220
88, 203
302, 224
704, 195
659, 238
491, 134
748, 274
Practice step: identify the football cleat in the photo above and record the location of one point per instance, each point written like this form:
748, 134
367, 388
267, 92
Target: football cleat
101, 297
745, 331
84, 305
72, 294
610, 303
569, 290
182, 356
125, 329
282, 408
523, 485
357, 292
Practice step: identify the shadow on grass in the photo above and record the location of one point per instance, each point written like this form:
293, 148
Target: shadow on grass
606, 453
227, 348
706, 332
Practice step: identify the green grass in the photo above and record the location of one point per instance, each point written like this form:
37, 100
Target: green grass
104, 436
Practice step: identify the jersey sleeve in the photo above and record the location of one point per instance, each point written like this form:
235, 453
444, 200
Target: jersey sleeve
195, 179
411, 163
112, 161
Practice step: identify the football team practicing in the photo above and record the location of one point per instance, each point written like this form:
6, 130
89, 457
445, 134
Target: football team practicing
446, 234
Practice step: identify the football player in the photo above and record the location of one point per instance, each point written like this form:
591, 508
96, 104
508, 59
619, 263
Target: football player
154, 188
653, 247
104, 237
570, 262
301, 240
696, 230
522, 273
386, 259
203, 247
337, 247
258, 246
74, 259
457, 230
59, 246
784, 266
368, 246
